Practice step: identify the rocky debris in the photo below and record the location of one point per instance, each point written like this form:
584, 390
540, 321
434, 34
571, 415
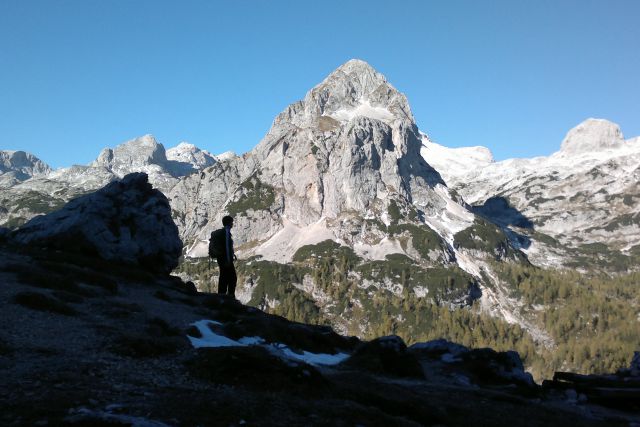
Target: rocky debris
127, 221
86, 417
620, 390
497, 210
480, 366
386, 355
254, 367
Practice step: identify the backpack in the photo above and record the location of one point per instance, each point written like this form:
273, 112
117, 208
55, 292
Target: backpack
217, 243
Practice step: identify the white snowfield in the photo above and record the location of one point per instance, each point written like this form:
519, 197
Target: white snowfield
573, 194
364, 108
212, 339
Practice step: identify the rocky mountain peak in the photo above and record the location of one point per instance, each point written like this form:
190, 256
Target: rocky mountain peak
592, 135
354, 89
190, 154
22, 165
135, 153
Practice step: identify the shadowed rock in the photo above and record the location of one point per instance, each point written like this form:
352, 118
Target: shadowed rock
386, 355
127, 221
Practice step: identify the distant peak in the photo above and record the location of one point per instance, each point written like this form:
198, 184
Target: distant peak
355, 65
147, 139
592, 135
186, 145
352, 90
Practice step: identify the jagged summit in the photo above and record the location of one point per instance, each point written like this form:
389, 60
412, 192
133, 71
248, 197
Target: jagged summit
21, 165
354, 89
190, 154
135, 153
592, 135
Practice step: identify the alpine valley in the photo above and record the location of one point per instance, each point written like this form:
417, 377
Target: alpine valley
348, 215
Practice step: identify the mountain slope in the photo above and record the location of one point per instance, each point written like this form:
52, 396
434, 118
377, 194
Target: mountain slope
17, 166
45, 190
583, 195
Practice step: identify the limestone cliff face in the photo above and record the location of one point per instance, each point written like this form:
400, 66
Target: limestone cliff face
586, 193
349, 148
18, 166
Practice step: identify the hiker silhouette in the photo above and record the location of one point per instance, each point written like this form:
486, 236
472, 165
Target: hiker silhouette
221, 248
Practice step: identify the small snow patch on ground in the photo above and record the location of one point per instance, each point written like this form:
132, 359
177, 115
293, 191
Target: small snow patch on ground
211, 339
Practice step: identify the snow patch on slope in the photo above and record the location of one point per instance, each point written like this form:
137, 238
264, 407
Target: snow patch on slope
450, 220
379, 251
363, 109
211, 339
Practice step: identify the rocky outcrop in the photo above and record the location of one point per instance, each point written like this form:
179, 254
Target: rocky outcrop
477, 366
84, 344
386, 355
17, 166
592, 135
127, 221
190, 157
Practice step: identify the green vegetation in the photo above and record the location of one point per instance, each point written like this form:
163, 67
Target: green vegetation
255, 196
623, 221
394, 212
487, 237
14, 222
592, 319
35, 202
598, 256
423, 238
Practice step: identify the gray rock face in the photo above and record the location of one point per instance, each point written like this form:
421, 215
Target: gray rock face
134, 154
146, 154
127, 221
46, 190
16, 166
585, 193
592, 135
143, 154
191, 157
349, 148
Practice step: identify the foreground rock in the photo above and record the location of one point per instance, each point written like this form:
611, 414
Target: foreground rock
93, 343
127, 221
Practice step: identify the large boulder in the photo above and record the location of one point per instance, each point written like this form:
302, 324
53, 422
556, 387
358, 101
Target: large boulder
127, 221
386, 355
481, 366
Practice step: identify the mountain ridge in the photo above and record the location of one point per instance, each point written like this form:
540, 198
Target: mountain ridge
343, 217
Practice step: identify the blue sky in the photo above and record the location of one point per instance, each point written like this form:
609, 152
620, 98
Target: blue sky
513, 75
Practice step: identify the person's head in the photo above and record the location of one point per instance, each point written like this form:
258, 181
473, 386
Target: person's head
227, 221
